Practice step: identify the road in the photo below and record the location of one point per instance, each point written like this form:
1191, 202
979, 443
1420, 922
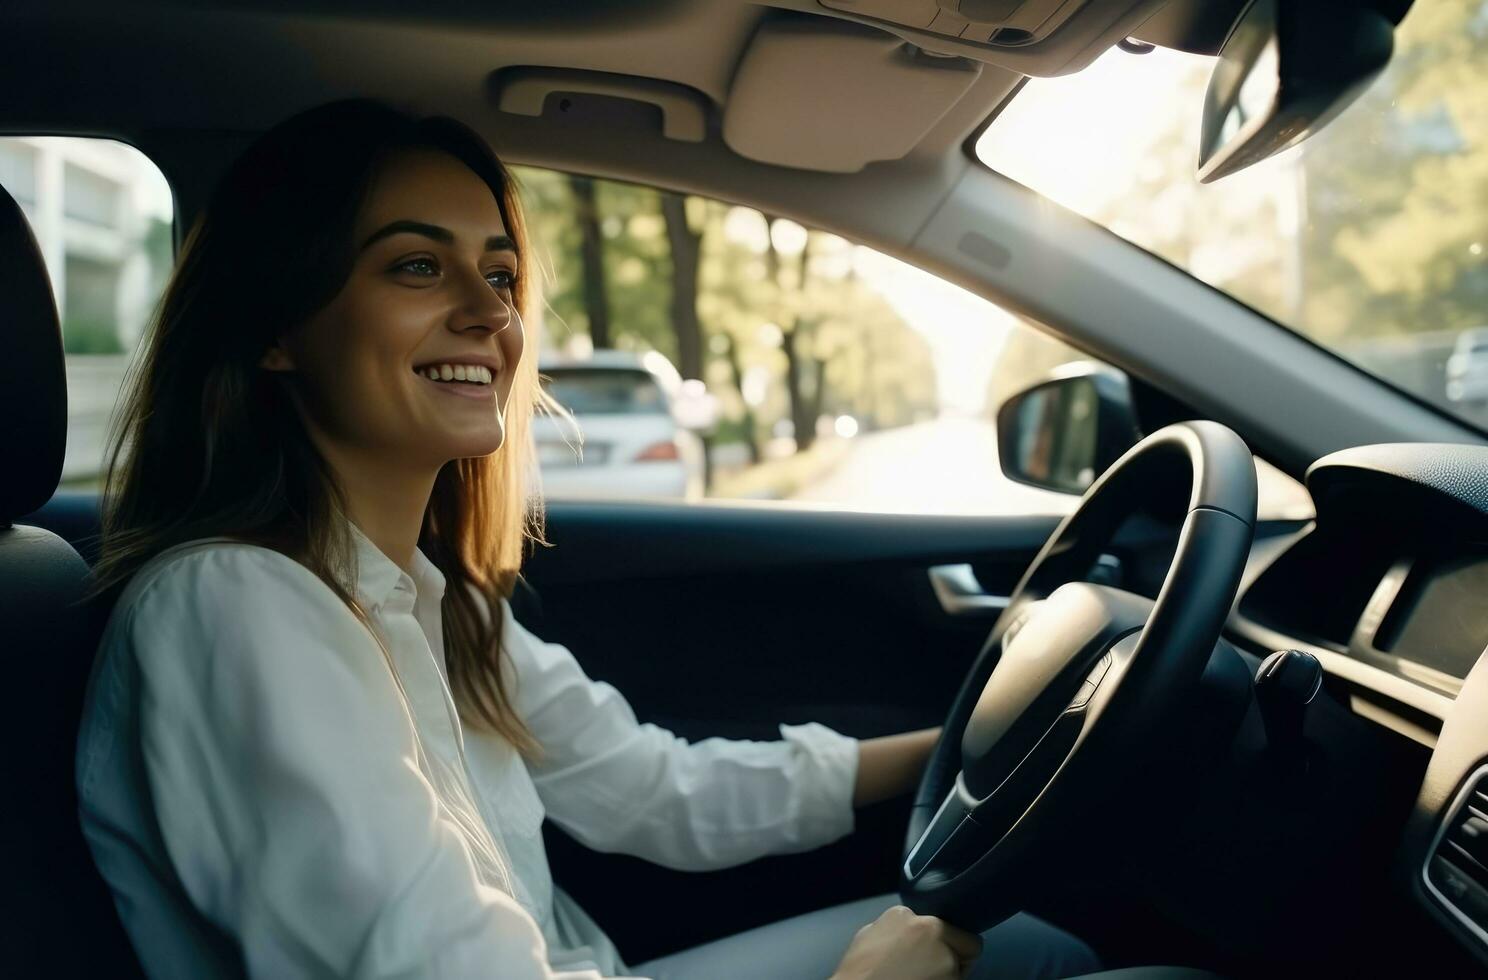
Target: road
946, 466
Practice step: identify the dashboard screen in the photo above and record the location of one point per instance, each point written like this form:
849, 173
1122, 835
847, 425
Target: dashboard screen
1440, 617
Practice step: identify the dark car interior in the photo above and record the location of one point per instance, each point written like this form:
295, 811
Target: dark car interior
1325, 814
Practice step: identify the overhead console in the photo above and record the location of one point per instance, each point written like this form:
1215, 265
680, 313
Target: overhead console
1005, 23
1039, 37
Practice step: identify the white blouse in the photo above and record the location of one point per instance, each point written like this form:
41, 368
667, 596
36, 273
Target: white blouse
265, 797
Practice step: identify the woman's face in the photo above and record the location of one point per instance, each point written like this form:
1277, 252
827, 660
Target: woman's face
430, 296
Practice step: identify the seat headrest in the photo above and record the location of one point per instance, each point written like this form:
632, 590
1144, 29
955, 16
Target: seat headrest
33, 375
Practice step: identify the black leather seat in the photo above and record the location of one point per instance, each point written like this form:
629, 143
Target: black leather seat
57, 917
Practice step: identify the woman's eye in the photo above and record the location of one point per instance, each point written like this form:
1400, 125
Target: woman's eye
419, 267
425, 267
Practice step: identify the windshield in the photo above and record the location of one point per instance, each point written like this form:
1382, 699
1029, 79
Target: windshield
1370, 238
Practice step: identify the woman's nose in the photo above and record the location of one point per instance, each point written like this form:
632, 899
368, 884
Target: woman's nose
484, 308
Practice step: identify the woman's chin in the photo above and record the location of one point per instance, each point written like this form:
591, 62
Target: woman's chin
472, 445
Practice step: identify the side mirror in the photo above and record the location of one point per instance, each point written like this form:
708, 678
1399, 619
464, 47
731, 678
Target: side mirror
1283, 73
1062, 433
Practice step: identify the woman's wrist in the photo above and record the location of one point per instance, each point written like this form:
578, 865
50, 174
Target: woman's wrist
891, 765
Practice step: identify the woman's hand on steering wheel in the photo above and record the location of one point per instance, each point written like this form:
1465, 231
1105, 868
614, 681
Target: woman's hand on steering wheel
901, 945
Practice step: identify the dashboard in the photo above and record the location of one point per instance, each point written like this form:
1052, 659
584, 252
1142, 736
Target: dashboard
1388, 587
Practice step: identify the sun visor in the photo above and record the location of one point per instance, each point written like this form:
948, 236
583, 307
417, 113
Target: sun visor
836, 96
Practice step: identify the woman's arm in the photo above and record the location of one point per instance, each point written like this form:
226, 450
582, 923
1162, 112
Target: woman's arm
618, 785
891, 765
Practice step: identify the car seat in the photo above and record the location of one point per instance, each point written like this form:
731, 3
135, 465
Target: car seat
57, 918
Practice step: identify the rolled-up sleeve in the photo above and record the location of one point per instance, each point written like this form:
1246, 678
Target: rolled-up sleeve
283, 771
619, 785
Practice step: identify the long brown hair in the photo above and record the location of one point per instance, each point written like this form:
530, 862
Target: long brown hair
208, 444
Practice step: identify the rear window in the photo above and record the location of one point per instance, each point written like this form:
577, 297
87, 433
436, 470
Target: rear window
102, 214
596, 391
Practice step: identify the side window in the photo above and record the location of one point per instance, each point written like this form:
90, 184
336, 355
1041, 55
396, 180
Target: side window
707, 350
102, 214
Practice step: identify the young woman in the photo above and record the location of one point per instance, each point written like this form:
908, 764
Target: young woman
316, 743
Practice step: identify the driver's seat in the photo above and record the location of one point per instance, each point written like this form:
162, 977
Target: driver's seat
57, 918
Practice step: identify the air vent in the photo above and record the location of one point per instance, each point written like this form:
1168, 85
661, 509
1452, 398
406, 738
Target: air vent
1456, 869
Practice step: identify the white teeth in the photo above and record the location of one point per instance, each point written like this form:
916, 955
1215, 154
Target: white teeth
469, 373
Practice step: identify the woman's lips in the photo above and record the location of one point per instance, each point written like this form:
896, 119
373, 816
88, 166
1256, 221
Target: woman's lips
464, 389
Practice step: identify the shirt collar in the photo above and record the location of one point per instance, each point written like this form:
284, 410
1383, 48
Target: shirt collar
378, 576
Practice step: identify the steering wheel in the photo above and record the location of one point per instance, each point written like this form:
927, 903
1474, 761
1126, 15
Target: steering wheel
1080, 686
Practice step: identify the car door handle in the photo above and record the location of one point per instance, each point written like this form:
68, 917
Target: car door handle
960, 594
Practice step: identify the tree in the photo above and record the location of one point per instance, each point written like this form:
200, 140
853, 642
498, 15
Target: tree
1392, 240
686, 248
591, 259
805, 374
1368, 228
628, 299
748, 424
730, 304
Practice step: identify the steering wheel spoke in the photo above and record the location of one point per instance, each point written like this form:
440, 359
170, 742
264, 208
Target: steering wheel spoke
964, 826
948, 836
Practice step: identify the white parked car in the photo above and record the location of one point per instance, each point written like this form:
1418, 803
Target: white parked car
1467, 368
632, 413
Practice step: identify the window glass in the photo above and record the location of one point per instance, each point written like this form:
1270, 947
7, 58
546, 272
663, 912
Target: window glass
102, 214
91, 197
590, 391
795, 366
18, 171
1370, 238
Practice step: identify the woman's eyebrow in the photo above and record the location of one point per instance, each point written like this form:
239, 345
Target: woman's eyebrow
495, 243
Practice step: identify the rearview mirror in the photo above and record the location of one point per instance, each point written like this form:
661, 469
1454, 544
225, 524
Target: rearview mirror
1284, 72
1063, 433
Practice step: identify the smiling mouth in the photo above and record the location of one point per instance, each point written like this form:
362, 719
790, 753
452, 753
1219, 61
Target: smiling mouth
470, 374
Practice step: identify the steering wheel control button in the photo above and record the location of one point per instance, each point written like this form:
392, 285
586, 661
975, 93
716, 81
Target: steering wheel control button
1098, 672
1083, 696
1092, 681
